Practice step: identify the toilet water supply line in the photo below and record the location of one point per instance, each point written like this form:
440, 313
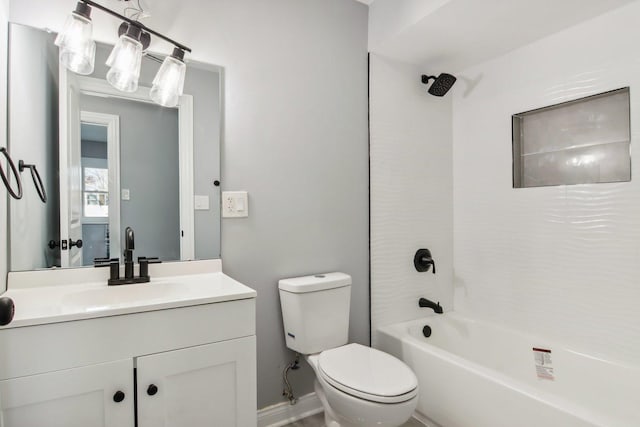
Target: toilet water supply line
288, 390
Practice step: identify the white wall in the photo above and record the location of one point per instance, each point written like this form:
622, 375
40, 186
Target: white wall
388, 18
411, 193
561, 262
4, 232
295, 131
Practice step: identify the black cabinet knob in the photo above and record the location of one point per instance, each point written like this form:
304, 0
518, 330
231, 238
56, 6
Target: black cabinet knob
118, 397
152, 390
77, 243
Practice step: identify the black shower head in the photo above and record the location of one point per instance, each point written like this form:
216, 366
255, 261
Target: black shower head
441, 85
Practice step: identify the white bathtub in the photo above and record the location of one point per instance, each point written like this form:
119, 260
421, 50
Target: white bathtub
478, 374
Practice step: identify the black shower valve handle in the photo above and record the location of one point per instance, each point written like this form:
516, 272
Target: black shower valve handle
423, 260
433, 263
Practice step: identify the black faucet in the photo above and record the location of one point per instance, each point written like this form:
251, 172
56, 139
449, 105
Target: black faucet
128, 253
425, 303
114, 264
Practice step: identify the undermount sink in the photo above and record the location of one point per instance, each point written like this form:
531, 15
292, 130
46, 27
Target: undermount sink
110, 297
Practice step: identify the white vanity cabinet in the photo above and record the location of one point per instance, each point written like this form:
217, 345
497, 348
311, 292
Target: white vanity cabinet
199, 386
202, 386
98, 396
190, 363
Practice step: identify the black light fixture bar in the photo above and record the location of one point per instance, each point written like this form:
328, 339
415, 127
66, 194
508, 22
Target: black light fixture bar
136, 23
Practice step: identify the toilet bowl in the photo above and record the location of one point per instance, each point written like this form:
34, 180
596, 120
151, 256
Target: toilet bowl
362, 386
357, 385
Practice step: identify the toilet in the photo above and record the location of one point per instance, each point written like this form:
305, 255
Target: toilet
357, 385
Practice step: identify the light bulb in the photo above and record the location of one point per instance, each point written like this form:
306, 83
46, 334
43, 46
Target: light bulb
125, 61
169, 82
77, 48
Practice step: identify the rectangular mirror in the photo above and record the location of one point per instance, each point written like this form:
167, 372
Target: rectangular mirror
109, 160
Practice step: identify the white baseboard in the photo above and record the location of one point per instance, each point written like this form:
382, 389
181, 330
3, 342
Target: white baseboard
424, 420
283, 413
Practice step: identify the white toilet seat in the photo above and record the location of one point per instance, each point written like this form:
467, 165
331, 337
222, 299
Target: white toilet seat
367, 373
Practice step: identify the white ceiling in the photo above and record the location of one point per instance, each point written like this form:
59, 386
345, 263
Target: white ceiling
455, 34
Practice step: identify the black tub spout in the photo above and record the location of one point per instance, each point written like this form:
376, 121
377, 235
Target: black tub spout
425, 303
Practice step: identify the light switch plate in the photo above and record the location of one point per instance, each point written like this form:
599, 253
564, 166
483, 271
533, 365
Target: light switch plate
235, 204
201, 203
126, 195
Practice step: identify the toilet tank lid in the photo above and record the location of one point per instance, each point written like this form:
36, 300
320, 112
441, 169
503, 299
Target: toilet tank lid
316, 282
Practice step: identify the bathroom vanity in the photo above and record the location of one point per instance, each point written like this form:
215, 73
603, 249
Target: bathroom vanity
178, 351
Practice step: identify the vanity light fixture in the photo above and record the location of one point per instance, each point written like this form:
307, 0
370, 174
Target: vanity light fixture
77, 53
125, 61
169, 82
77, 48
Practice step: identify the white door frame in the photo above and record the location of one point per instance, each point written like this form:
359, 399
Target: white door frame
101, 88
69, 172
112, 122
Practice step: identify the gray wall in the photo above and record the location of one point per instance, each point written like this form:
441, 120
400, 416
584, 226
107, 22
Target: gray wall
33, 136
149, 169
296, 140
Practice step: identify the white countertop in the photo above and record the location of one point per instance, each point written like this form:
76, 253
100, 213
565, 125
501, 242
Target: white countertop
63, 303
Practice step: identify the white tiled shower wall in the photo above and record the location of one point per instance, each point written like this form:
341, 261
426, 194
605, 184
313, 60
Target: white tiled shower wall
561, 262
411, 192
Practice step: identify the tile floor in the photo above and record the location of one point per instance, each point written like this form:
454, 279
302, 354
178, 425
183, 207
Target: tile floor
318, 421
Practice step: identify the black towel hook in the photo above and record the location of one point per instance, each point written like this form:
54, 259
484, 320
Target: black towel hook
16, 195
37, 181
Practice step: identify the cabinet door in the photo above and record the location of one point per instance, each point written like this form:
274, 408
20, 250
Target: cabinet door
211, 385
79, 397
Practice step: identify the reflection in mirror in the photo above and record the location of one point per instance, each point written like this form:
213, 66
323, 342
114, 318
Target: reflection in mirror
95, 192
110, 160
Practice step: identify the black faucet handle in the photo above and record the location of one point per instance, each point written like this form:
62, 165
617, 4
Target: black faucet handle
144, 264
112, 263
105, 262
149, 259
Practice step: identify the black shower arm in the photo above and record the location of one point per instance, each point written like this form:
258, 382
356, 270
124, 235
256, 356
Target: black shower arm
425, 78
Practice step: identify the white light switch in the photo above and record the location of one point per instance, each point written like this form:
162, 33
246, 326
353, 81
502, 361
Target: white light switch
201, 203
235, 204
126, 195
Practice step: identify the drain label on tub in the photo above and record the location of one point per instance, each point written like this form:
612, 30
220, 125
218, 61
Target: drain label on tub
544, 366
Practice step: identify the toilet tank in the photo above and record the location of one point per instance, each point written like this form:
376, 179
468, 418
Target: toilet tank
315, 311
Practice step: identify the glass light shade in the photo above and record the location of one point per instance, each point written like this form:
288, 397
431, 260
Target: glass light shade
125, 61
169, 82
77, 48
